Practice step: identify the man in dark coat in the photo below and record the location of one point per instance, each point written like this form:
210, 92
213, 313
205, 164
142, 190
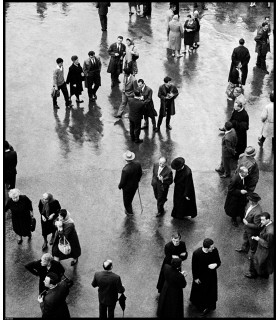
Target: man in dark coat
42, 267
102, 11
53, 304
147, 97
241, 54
171, 299
162, 179
92, 69
167, 94
236, 196
247, 160
235, 76
117, 52
131, 175
262, 46
184, 203
229, 143
263, 261
10, 164
136, 110
252, 224
109, 285
205, 262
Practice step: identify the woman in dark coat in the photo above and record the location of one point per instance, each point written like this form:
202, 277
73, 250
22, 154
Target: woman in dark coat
173, 249
190, 28
171, 299
22, 212
66, 228
49, 209
184, 202
240, 122
75, 78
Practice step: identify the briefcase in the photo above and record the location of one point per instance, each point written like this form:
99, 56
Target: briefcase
33, 224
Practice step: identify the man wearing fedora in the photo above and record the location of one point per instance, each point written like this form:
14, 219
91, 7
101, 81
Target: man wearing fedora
247, 160
184, 202
131, 175
252, 225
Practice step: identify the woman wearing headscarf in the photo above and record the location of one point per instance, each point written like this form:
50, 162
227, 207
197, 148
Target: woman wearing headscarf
75, 78
22, 212
190, 26
131, 56
196, 34
66, 228
49, 209
175, 35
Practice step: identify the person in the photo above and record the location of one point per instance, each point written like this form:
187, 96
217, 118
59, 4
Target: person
190, 27
267, 20
42, 267
60, 84
203, 6
117, 52
136, 110
236, 196
196, 34
252, 224
184, 202
177, 7
247, 160
176, 248
240, 123
234, 80
102, 11
262, 46
267, 118
53, 304
162, 179
169, 16
75, 78
131, 55
252, 4
167, 94
129, 87
10, 164
238, 96
263, 261
240, 53
175, 34
229, 142
149, 110
92, 69
66, 229
171, 299
109, 285
49, 209
205, 262
147, 10
131, 175
130, 5
22, 212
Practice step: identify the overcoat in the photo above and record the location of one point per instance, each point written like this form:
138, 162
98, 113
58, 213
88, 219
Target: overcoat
240, 122
253, 171
189, 36
10, 163
262, 46
92, 71
167, 175
253, 218
241, 54
267, 118
162, 93
171, 300
175, 35
48, 225
147, 93
116, 63
75, 77
184, 188
136, 109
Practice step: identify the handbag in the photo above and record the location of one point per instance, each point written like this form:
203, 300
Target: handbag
64, 246
55, 93
33, 224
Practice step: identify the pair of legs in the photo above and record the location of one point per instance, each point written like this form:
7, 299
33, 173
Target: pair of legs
262, 140
135, 129
146, 123
125, 101
261, 61
19, 238
64, 90
103, 21
253, 272
127, 200
92, 91
249, 245
161, 196
168, 117
115, 78
45, 244
104, 309
225, 166
190, 48
176, 53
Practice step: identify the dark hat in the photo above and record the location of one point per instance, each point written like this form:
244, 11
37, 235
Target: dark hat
176, 262
253, 196
250, 151
177, 163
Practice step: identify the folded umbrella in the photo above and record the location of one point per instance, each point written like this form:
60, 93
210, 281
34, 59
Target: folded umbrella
122, 299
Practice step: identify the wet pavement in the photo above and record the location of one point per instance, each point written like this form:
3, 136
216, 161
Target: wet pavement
77, 154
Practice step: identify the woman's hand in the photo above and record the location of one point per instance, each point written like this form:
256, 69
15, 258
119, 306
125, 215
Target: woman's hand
44, 219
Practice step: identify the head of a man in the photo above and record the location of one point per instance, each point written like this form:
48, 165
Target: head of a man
46, 259
208, 245
238, 105
127, 71
51, 280
91, 54
265, 26
14, 194
238, 64
59, 62
120, 39
75, 59
141, 83
228, 126
175, 238
241, 41
265, 218
243, 172
162, 162
167, 81
108, 265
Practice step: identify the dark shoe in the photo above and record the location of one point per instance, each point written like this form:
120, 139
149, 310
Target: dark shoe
118, 116
222, 129
234, 223
250, 275
219, 170
80, 101
156, 129
139, 141
205, 311
19, 241
168, 127
225, 176
145, 127
240, 250
73, 262
56, 106
44, 246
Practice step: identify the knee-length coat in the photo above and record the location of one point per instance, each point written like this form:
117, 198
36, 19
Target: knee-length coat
162, 94
267, 118
175, 35
48, 225
240, 122
116, 62
75, 77
189, 35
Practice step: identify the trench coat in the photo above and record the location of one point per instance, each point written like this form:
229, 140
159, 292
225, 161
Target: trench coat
253, 171
267, 118
175, 34
75, 77
149, 110
162, 93
184, 188
116, 63
48, 225
241, 54
262, 45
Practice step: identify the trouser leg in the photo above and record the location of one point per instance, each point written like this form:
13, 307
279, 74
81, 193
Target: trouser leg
55, 99
245, 244
137, 129
95, 88
252, 268
226, 165
127, 200
89, 85
131, 129
168, 117
258, 63
65, 94
159, 121
155, 192
111, 310
153, 119
263, 61
102, 311
162, 197
123, 104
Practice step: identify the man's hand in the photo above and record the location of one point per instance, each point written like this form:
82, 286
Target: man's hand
184, 273
117, 54
245, 221
255, 238
243, 191
174, 256
187, 198
212, 266
74, 85
40, 299
51, 216
197, 281
44, 219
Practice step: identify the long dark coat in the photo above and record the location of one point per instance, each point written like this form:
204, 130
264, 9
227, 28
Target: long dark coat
240, 122
75, 77
189, 36
253, 171
241, 54
21, 218
116, 63
92, 71
169, 251
236, 201
184, 188
264, 258
205, 294
147, 93
165, 103
171, 300
70, 233
48, 225
262, 47
10, 163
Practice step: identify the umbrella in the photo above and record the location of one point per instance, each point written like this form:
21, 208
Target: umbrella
122, 299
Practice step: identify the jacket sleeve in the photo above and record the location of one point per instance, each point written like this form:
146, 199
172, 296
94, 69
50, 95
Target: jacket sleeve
161, 94
120, 287
232, 189
246, 58
184, 249
55, 77
241, 126
168, 251
233, 57
33, 267
168, 180
267, 241
111, 51
229, 147
67, 230
85, 69
69, 77
94, 282
149, 97
123, 179
28, 203
175, 91
257, 223
195, 266
217, 257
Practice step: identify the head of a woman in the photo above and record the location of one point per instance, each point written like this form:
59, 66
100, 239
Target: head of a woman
46, 259
47, 197
14, 194
238, 105
63, 214
175, 17
75, 59
237, 91
195, 14
129, 41
190, 17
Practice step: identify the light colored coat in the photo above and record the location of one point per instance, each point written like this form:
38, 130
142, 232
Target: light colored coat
175, 35
267, 118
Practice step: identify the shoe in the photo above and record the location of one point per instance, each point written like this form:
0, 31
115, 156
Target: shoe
240, 250
139, 141
91, 99
44, 246
56, 106
145, 127
219, 170
118, 116
250, 275
205, 311
222, 129
158, 214
168, 127
234, 223
80, 101
156, 129
19, 241
225, 176
73, 262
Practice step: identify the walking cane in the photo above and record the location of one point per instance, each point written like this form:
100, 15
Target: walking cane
140, 201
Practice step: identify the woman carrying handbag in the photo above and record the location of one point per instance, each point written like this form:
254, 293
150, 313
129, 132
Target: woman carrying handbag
66, 244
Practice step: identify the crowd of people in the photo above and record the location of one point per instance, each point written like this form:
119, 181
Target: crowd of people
241, 201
